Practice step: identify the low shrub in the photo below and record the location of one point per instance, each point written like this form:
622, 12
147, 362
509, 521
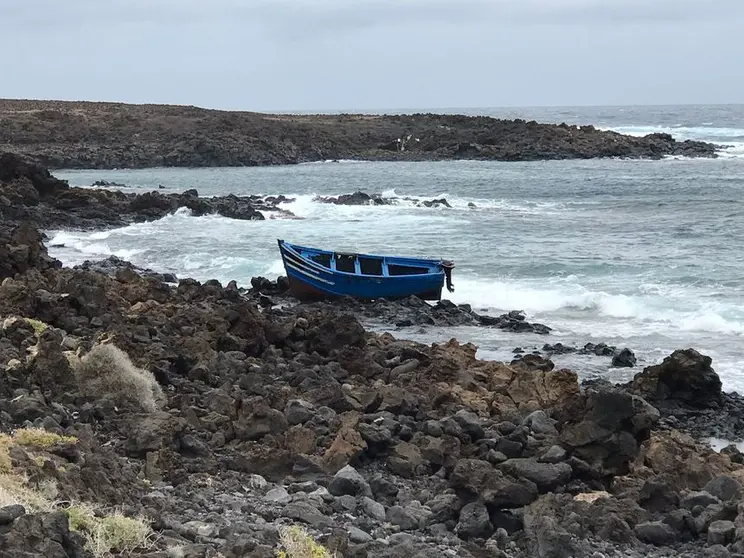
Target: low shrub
107, 372
105, 533
38, 325
296, 542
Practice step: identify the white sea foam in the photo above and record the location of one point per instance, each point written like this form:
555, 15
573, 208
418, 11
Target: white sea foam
587, 256
618, 314
686, 132
731, 138
308, 205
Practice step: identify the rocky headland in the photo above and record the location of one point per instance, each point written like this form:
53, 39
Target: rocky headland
60, 134
143, 414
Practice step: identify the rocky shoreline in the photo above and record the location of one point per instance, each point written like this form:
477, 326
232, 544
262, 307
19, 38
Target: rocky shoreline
150, 415
60, 134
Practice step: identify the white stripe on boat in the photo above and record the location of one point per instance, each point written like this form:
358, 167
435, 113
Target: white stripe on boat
306, 274
289, 259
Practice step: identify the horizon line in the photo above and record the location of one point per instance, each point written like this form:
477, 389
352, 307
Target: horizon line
369, 110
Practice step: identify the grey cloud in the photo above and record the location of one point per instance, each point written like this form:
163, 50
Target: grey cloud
352, 54
346, 14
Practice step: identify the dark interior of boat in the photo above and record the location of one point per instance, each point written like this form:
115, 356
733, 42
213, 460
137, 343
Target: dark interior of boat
367, 265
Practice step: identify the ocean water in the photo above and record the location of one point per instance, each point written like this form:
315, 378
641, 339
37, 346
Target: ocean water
641, 254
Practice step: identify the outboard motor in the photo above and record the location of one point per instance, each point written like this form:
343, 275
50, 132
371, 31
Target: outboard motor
448, 266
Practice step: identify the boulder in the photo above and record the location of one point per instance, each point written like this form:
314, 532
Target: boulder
721, 532
349, 481
45, 535
474, 522
656, 532
608, 429
685, 376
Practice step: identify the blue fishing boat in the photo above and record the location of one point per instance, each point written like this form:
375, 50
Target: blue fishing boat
317, 274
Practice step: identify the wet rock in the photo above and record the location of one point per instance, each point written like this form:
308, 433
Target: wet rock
357, 198
123, 270
685, 375
624, 359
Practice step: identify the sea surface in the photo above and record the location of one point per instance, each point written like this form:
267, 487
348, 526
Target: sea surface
641, 254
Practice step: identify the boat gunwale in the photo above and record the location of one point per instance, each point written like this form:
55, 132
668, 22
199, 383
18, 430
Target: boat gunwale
292, 249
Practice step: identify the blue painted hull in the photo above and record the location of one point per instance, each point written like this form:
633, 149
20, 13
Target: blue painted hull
315, 274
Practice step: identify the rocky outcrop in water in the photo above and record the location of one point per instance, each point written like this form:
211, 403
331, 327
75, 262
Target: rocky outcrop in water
411, 311
362, 198
114, 135
30, 193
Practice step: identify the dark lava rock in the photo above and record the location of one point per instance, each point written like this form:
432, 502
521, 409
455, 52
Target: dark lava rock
624, 358
685, 376
474, 522
30, 193
21, 249
357, 198
514, 321
116, 267
193, 137
656, 533
8, 514
349, 481
45, 535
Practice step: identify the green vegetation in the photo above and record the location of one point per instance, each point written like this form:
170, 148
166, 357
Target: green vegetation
104, 532
38, 325
30, 437
295, 542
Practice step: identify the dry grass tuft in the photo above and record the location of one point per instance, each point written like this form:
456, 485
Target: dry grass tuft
107, 372
107, 533
296, 542
38, 325
30, 437
6, 466
40, 438
15, 490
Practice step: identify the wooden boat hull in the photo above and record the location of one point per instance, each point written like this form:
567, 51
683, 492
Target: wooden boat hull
310, 280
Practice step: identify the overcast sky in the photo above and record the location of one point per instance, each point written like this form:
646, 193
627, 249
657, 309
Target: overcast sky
374, 54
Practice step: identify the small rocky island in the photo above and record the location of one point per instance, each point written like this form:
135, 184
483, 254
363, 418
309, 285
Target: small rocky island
60, 134
147, 415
